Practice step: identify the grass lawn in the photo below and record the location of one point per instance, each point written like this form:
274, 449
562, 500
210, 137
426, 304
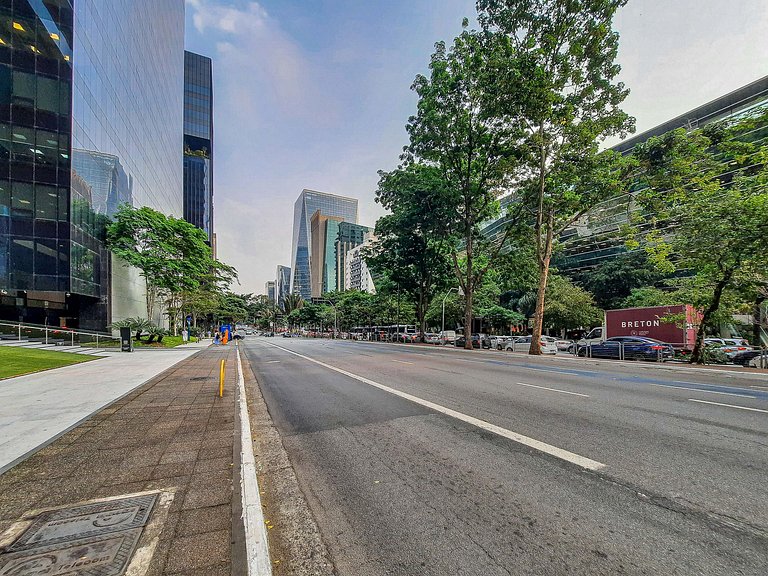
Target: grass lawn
15, 361
168, 342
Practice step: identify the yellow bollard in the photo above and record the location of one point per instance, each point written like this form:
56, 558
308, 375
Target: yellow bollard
222, 371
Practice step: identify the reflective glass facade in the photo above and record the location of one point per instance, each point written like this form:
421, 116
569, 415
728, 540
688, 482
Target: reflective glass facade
91, 116
308, 202
35, 118
198, 142
282, 284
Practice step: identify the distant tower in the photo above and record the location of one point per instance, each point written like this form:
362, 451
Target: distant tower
309, 202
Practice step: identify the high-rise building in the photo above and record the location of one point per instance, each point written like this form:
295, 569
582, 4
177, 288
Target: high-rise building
309, 202
198, 142
349, 236
324, 230
91, 109
282, 285
269, 289
357, 276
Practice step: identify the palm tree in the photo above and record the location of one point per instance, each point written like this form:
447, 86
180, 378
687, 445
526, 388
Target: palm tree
292, 302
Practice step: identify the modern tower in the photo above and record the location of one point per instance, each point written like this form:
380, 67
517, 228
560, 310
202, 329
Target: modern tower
91, 115
309, 202
282, 284
198, 142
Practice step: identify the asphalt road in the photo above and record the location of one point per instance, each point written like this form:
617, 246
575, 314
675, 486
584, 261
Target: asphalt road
428, 461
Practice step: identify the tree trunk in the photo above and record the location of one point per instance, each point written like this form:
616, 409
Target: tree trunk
538, 315
698, 347
756, 317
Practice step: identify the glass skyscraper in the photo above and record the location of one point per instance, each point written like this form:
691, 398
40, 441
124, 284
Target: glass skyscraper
198, 142
91, 116
309, 202
282, 284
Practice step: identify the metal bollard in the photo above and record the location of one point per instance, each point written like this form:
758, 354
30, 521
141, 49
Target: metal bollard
621, 350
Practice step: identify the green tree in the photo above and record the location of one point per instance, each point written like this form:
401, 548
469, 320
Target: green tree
407, 249
569, 306
469, 150
720, 229
171, 254
614, 280
562, 89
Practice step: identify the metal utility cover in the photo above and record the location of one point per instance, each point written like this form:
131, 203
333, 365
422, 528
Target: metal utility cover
105, 555
86, 521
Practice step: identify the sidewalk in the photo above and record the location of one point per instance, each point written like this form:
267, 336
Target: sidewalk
37, 408
174, 434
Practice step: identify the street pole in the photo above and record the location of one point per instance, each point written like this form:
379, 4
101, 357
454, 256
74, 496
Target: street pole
442, 327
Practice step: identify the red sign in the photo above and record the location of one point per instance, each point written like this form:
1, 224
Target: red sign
653, 322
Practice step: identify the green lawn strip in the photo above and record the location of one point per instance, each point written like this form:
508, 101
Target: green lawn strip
15, 361
168, 342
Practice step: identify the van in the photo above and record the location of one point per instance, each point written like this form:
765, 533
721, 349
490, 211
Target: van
447, 337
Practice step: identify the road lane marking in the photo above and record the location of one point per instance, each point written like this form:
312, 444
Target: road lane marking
761, 387
700, 390
401, 361
552, 389
728, 405
272, 362
560, 453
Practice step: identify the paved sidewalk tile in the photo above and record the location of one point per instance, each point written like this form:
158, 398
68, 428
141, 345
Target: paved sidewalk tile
173, 432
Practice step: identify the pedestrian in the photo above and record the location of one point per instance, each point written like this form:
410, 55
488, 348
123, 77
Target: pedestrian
217, 338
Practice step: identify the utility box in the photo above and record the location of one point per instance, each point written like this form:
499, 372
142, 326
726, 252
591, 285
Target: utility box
126, 344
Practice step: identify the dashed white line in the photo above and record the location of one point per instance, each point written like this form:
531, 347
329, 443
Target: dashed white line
728, 405
553, 389
401, 361
705, 391
560, 453
760, 387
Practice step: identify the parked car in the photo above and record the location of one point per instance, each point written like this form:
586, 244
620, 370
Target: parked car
478, 341
499, 341
287, 334
432, 338
563, 345
521, 343
750, 358
406, 337
635, 348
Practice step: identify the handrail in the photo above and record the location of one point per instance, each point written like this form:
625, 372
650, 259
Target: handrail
56, 332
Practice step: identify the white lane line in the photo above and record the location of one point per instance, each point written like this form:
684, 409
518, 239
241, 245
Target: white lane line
256, 544
401, 361
552, 389
272, 362
705, 391
760, 387
728, 405
571, 457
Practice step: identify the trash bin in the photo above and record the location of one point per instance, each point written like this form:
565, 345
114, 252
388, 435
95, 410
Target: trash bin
126, 344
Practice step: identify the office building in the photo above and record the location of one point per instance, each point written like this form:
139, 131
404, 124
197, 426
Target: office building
198, 142
282, 285
269, 290
309, 202
91, 110
349, 236
596, 237
324, 230
357, 276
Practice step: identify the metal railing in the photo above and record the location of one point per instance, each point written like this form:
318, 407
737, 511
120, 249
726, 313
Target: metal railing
20, 331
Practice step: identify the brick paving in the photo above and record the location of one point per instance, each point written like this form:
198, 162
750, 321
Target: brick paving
173, 432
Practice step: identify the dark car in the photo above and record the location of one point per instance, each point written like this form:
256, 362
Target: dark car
286, 335
477, 341
634, 348
749, 358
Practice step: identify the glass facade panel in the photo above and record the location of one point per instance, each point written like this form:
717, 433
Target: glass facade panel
198, 142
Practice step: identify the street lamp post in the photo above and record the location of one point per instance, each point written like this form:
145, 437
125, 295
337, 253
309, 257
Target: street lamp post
442, 328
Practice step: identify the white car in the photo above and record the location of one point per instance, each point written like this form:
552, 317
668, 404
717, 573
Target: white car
431, 338
563, 345
547, 344
499, 341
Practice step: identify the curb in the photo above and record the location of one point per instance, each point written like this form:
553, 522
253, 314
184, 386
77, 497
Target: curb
257, 558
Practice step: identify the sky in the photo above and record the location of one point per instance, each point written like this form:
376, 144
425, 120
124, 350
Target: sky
316, 94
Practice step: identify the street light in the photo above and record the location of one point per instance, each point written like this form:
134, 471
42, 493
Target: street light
442, 329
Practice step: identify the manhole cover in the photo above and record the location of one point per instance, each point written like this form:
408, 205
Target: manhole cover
67, 524
92, 539
105, 555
